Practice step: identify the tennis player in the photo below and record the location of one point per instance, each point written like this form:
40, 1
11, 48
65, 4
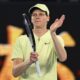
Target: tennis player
49, 47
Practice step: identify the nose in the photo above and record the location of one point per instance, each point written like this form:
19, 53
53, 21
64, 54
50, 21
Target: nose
37, 16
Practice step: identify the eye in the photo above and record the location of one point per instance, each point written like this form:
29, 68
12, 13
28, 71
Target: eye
34, 15
41, 14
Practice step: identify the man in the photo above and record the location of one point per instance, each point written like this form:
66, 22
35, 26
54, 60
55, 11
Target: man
49, 47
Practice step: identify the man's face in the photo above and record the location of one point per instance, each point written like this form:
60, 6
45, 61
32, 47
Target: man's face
39, 18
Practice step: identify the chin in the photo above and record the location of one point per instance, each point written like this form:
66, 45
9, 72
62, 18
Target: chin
38, 26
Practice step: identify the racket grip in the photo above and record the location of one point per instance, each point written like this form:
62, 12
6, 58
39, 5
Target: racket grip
38, 68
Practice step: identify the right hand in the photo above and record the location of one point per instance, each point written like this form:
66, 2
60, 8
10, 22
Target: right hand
57, 23
33, 57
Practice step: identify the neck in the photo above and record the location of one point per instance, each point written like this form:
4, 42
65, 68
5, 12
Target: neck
40, 31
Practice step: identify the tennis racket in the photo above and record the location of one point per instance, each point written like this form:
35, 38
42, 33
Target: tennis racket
27, 25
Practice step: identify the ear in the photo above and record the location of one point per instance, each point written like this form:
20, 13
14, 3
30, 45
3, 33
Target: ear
31, 20
48, 18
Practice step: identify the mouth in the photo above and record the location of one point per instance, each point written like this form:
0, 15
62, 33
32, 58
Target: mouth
37, 21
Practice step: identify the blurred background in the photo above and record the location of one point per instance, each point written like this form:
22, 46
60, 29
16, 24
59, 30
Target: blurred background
11, 26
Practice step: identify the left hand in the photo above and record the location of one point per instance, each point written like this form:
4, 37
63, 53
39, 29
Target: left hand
57, 23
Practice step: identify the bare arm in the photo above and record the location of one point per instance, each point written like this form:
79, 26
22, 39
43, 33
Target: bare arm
20, 66
61, 52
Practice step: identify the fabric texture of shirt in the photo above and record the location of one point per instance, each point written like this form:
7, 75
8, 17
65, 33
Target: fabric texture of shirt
47, 56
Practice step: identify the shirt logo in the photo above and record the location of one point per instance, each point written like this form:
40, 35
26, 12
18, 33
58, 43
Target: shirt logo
46, 43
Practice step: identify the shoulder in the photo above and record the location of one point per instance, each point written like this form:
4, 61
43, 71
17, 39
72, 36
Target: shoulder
22, 39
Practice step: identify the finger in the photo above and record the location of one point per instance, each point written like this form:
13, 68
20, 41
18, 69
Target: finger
62, 18
34, 55
33, 59
33, 52
56, 20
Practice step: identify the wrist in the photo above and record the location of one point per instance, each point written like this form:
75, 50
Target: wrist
53, 33
28, 63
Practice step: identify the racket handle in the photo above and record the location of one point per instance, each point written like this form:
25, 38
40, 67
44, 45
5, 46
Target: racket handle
38, 68
37, 64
